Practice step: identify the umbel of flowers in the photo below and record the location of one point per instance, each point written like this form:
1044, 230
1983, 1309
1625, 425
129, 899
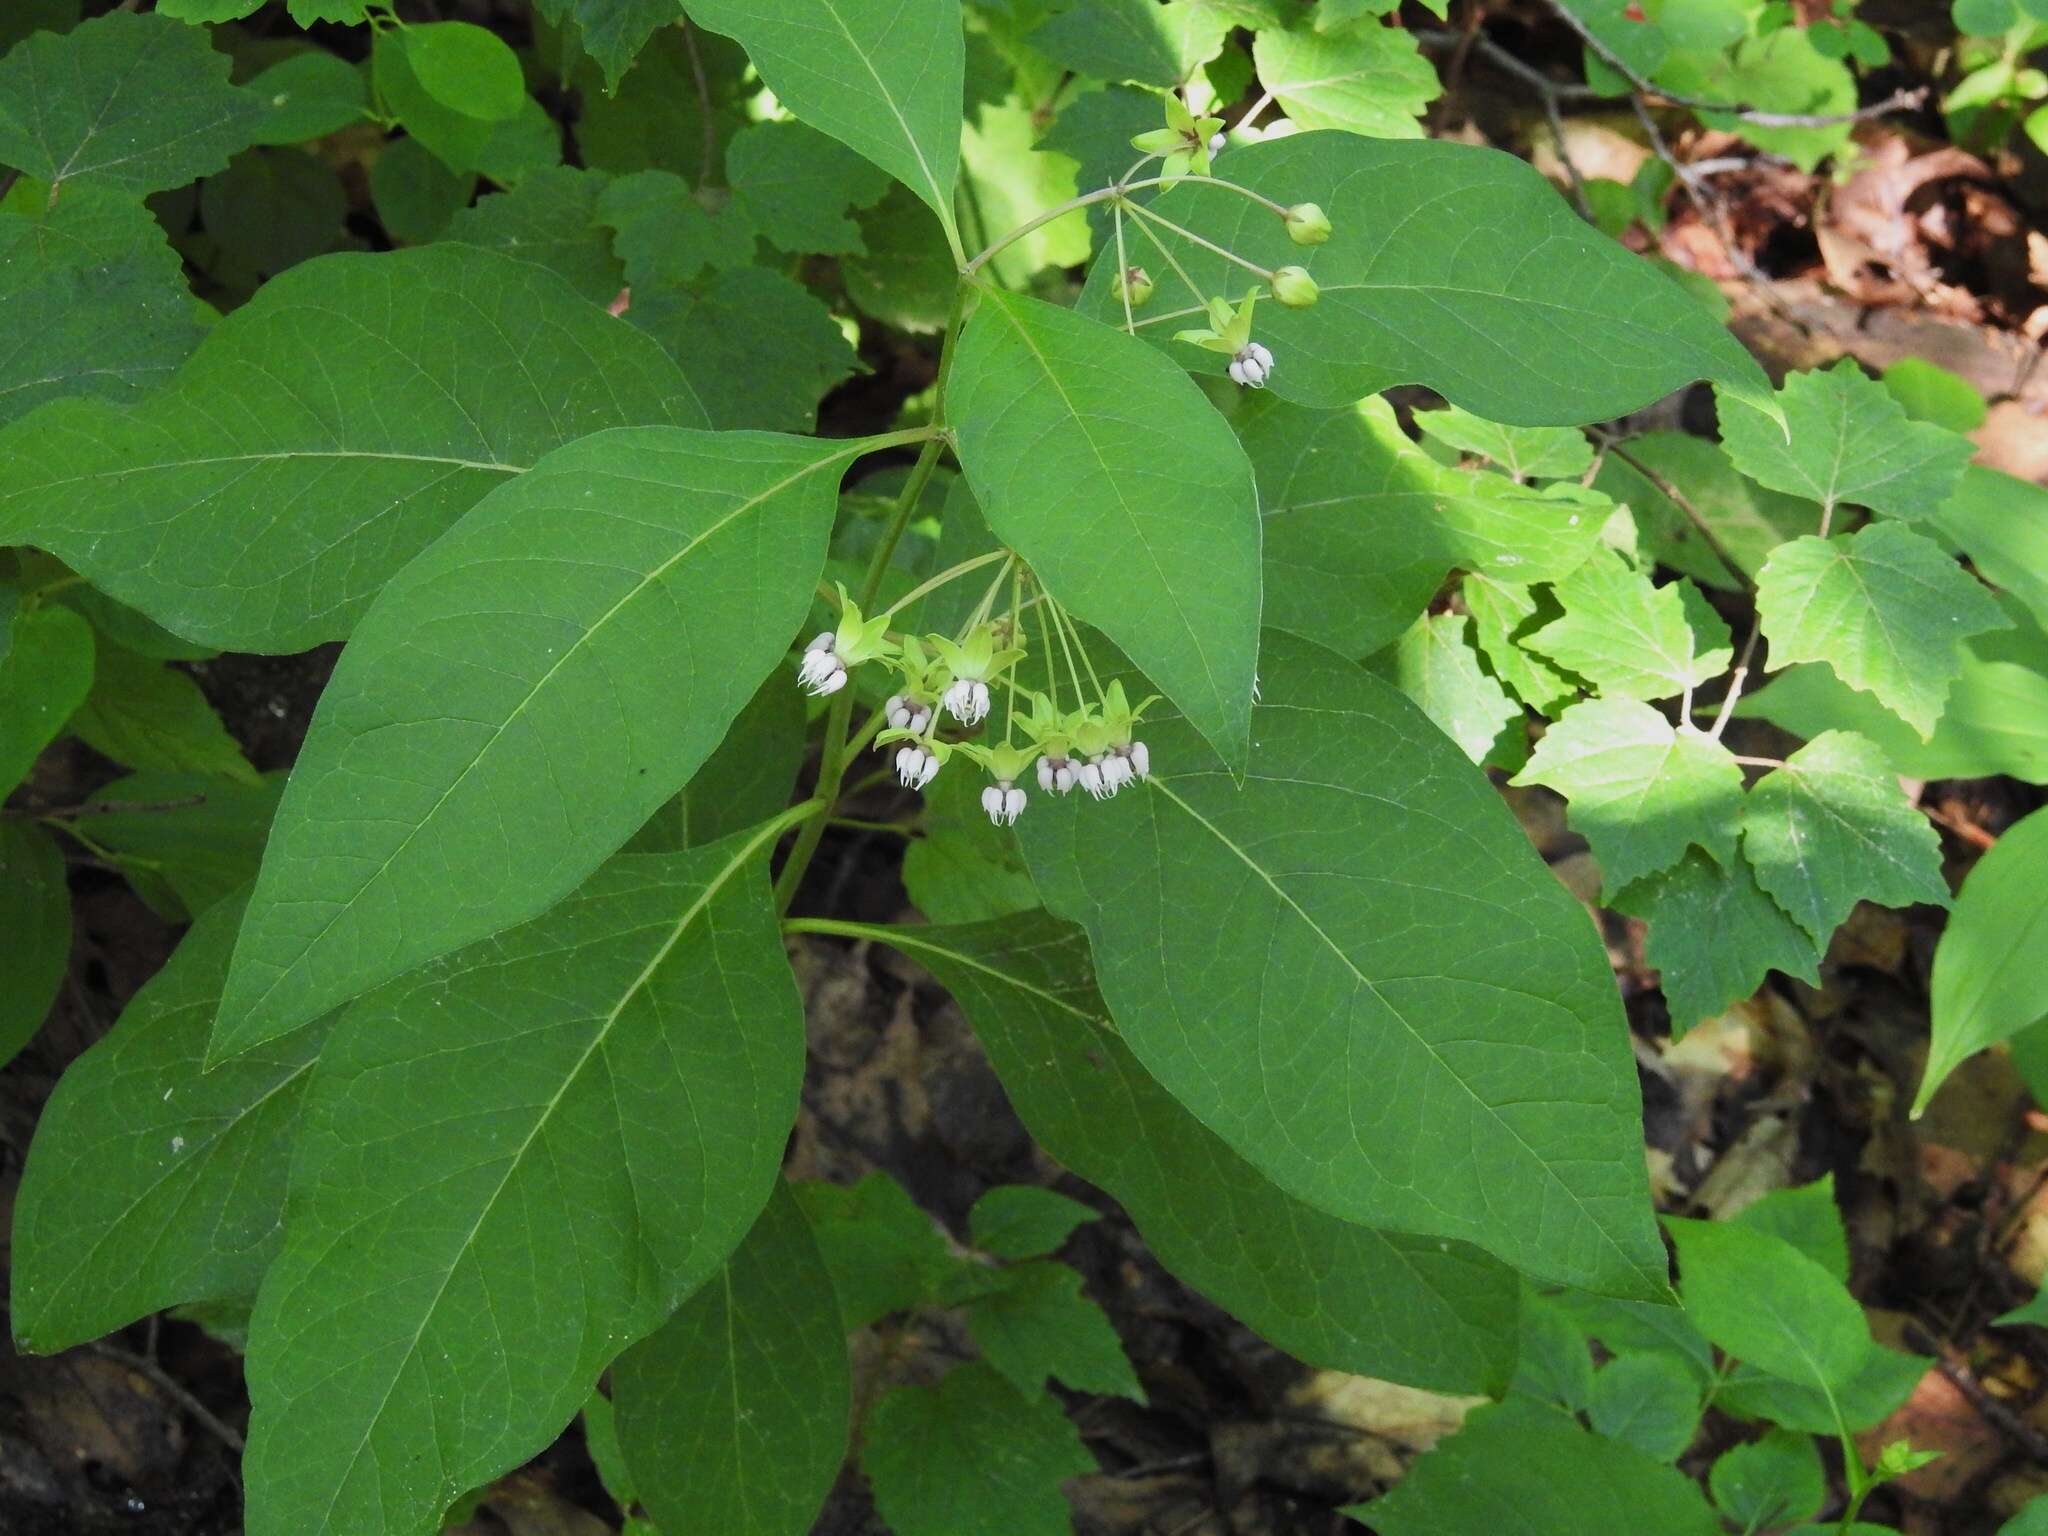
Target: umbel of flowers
948, 691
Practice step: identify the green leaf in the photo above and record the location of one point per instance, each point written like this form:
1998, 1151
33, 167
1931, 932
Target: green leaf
503, 148
612, 31
136, 103
1763, 1301
146, 715
927, 1455
758, 348
746, 779
1628, 638
1747, 520
309, 95
1450, 266
1503, 617
522, 697
1553, 1365
152, 1182
493, 1185
202, 837
665, 235
1988, 982
95, 296
376, 397
1882, 1380
1361, 526
1022, 1221
964, 869
733, 1417
1640, 792
550, 220
468, 69
1650, 1402
208, 10
1115, 40
1541, 453
272, 209
1832, 828
885, 77
882, 1252
1770, 1481
1851, 443
1061, 425
1884, 607
1713, 935
1805, 1217
2002, 524
1929, 392
658, 117
1434, 664
601, 1440
1522, 1471
796, 186
1370, 80
27, 16
415, 194
1403, 986
1432, 1314
45, 674
2030, 1521
907, 278
35, 914
1036, 1324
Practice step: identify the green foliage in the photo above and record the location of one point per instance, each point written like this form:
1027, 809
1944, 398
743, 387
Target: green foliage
1769, 1481
1714, 935
35, 908
45, 674
1369, 80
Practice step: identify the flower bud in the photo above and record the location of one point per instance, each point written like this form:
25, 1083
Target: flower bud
1293, 287
1307, 224
1217, 142
1134, 284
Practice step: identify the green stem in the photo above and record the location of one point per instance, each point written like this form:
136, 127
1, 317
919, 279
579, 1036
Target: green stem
832, 927
1171, 315
1116, 189
951, 573
1123, 270
1194, 239
1179, 271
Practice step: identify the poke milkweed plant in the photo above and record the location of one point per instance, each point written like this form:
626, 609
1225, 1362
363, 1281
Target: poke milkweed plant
478, 1094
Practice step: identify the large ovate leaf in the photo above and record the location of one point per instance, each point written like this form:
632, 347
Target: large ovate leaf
1336, 1294
152, 1182
1361, 526
733, 1416
322, 436
1370, 80
1354, 970
35, 914
511, 1166
1640, 791
1106, 469
1884, 607
1989, 983
885, 77
134, 103
95, 299
1714, 934
1831, 828
522, 697
1450, 266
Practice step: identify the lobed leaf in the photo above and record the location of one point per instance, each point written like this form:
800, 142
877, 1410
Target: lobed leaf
1631, 639
1368, 80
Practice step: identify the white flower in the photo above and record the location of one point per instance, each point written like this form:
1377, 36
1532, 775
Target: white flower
1116, 772
1252, 365
1089, 776
1140, 759
967, 701
1056, 774
821, 670
1004, 803
907, 714
1216, 142
915, 767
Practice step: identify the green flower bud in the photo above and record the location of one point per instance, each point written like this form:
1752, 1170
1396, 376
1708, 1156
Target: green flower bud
1306, 224
1293, 287
1134, 284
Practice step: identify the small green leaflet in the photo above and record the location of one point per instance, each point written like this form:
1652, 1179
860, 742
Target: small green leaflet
415, 195
1884, 607
734, 1415
146, 715
1435, 665
1552, 1364
665, 235
1851, 444
1713, 935
1832, 828
1105, 468
885, 77
927, 1456
1746, 520
1640, 791
1651, 1402
151, 1182
1450, 266
1539, 453
1804, 1215
1416, 1310
1402, 987
964, 869
35, 914
796, 187
493, 1184
1989, 983
308, 95
1022, 1221
1117, 40
1035, 1323
134, 103
1631, 639
1519, 1470
323, 435
1503, 617
1770, 1481
95, 297
1763, 1301
1369, 80
185, 840
467, 68
1361, 526
45, 674
882, 1252
522, 697
612, 31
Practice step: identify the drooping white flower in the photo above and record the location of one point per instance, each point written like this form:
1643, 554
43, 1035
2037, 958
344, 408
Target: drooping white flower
1089, 776
1252, 365
1216, 142
907, 714
1004, 803
821, 671
1116, 772
967, 701
1140, 759
1055, 774
915, 767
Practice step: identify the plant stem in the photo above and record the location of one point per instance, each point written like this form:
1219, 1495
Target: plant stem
1692, 513
834, 928
949, 574
1179, 271
1115, 190
1194, 239
1123, 269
